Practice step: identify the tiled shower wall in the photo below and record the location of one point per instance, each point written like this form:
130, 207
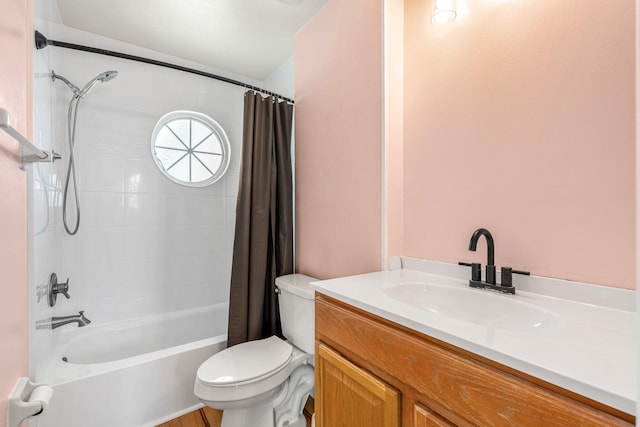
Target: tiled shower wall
146, 245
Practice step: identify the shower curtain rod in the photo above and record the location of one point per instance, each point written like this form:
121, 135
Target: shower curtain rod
42, 42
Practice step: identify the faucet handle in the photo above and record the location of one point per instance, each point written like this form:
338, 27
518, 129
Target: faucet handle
62, 288
56, 288
507, 276
476, 270
65, 290
524, 273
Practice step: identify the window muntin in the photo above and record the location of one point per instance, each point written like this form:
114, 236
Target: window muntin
190, 148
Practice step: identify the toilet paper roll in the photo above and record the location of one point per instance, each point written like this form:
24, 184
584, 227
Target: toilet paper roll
41, 394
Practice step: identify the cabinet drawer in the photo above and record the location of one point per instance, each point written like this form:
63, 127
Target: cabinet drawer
461, 387
424, 417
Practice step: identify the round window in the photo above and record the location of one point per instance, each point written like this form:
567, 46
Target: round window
190, 148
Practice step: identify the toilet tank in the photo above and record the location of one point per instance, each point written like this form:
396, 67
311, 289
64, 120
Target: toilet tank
295, 300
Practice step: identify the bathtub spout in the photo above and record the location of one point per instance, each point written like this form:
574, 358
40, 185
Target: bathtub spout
78, 318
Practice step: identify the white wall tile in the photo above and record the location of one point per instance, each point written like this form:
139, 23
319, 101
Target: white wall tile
143, 209
196, 210
94, 245
148, 243
102, 209
95, 280
104, 172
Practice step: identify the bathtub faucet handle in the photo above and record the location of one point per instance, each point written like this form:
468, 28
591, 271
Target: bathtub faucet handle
56, 288
63, 288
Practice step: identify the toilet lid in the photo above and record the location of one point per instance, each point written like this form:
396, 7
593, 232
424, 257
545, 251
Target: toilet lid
246, 361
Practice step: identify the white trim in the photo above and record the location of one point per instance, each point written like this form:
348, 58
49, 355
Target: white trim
637, 215
384, 197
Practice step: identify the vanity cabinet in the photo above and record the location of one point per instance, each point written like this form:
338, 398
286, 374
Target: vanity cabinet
373, 372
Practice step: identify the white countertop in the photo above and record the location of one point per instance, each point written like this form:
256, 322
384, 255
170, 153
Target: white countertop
589, 349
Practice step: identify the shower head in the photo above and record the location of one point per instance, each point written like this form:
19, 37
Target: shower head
108, 75
73, 87
103, 77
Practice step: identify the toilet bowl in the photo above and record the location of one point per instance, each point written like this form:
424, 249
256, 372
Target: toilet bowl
265, 383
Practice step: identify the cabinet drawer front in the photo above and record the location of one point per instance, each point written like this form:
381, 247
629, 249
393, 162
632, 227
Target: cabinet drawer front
347, 396
423, 417
474, 391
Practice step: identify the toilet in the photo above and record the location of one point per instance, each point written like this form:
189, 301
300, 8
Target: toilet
265, 383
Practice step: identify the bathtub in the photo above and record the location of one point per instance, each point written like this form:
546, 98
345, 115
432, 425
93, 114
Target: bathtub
135, 373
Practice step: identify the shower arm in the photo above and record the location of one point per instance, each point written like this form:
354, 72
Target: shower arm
73, 87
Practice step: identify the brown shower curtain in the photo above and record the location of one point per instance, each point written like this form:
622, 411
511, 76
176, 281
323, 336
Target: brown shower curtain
263, 245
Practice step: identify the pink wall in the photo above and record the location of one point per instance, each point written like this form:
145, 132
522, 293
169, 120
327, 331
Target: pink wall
15, 96
338, 129
519, 117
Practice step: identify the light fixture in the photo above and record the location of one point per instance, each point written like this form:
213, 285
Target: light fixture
443, 11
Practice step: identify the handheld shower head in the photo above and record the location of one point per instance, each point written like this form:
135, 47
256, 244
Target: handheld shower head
103, 77
108, 75
71, 127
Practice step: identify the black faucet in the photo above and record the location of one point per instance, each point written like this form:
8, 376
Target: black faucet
506, 286
491, 267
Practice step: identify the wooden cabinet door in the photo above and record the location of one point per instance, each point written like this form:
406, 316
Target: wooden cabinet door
347, 396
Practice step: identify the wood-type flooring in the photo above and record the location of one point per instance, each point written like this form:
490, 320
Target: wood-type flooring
209, 417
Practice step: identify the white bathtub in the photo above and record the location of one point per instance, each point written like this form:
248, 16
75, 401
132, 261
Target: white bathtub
134, 373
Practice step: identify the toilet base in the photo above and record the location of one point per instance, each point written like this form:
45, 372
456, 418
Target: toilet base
289, 410
285, 410
257, 416
245, 417
302, 422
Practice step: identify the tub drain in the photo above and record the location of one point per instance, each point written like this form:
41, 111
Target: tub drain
64, 359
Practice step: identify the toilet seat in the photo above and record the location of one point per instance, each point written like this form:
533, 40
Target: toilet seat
239, 364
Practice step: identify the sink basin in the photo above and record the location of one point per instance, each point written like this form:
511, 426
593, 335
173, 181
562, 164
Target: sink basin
474, 306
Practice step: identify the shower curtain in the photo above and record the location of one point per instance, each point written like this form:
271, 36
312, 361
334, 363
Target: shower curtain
263, 245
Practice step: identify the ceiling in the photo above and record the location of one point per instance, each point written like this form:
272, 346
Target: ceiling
249, 37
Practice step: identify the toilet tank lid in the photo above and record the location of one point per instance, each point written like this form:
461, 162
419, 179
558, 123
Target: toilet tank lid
297, 284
